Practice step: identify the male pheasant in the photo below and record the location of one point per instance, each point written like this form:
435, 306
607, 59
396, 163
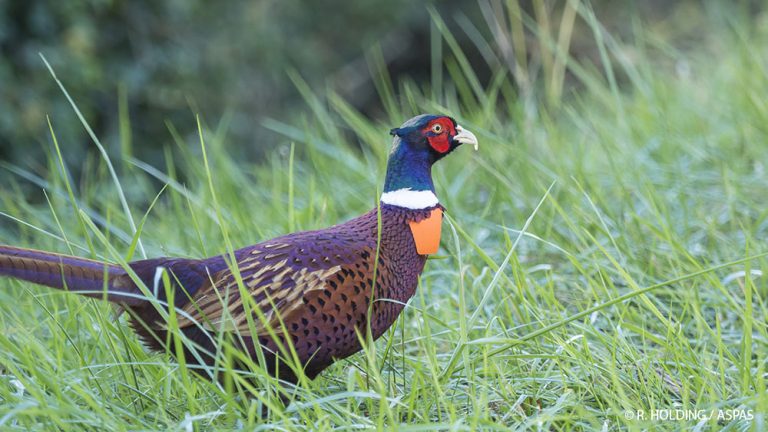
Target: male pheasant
316, 290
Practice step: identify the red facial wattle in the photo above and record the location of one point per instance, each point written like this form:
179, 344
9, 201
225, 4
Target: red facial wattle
440, 141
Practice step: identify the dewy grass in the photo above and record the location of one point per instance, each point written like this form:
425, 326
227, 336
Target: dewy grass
637, 287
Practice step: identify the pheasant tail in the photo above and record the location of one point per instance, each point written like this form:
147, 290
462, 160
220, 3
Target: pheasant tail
85, 276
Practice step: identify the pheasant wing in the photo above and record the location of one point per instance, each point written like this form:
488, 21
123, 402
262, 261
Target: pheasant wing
276, 277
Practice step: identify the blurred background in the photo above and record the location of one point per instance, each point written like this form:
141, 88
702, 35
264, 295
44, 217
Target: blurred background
159, 64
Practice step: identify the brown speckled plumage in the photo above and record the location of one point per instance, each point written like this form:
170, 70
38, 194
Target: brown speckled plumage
320, 315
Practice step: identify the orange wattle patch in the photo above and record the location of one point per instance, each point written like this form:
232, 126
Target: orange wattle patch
426, 232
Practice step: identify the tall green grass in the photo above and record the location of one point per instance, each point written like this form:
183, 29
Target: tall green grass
603, 252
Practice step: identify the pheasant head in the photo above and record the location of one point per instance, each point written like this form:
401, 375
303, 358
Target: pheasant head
418, 144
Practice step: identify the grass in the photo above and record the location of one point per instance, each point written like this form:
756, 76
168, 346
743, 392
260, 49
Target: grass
602, 255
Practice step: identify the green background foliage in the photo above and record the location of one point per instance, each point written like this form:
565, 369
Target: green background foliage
167, 62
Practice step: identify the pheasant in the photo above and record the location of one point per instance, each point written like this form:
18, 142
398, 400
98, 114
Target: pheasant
307, 295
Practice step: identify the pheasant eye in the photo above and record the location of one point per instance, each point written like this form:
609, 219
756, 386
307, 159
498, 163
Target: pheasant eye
438, 128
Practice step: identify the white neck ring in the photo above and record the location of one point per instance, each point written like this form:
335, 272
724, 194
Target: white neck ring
410, 199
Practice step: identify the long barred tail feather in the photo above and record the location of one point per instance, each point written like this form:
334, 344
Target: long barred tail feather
65, 272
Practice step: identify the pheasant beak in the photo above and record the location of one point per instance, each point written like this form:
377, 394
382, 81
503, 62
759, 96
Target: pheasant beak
465, 137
